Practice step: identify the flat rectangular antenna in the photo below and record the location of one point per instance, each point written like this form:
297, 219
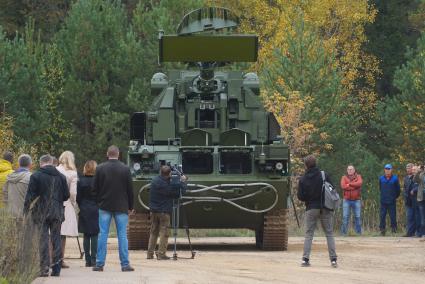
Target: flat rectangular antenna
208, 48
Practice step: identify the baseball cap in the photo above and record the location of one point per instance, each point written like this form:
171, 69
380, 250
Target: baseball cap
388, 166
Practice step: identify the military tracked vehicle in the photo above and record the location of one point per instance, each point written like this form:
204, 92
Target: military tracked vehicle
210, 121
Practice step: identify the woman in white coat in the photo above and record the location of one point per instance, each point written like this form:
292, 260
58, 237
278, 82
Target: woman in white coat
70, 225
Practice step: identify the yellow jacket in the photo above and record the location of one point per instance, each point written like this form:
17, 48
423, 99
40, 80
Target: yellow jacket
5, 170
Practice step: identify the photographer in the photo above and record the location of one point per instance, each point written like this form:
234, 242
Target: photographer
420, 180
162, 192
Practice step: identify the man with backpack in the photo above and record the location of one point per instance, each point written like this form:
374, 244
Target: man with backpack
311, 190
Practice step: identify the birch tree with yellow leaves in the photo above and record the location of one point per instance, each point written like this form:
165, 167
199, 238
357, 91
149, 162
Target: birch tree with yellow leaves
335, 33
318, 81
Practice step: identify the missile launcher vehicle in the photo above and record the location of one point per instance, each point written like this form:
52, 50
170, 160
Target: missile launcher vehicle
209, 121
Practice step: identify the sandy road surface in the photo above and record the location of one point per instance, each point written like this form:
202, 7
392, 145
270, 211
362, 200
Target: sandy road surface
235, 260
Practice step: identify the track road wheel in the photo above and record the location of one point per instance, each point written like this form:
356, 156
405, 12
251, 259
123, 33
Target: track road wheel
275, 230
138, 231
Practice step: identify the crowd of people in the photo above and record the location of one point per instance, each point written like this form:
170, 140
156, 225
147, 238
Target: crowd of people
311, 191
51, 196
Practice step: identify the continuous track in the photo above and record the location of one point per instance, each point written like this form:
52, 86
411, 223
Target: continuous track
275, 230
138, 231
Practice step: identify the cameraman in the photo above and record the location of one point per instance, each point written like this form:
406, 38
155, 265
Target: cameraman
162, 192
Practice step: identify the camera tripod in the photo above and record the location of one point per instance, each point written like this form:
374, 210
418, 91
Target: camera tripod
175, 223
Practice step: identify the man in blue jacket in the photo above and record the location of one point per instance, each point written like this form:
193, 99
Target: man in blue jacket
161, 196
389, 187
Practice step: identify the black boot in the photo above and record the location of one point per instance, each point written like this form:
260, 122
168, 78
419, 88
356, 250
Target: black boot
88, 260
93, 261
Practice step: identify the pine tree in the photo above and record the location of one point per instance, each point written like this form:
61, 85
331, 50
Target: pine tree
21, 84
304, 89
389, 36
402, 117
102, 59
47, 14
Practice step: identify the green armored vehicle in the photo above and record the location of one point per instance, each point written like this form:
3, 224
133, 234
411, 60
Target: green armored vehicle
210, 122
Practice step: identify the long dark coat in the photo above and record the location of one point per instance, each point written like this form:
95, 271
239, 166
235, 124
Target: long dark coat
88, 219
47, 190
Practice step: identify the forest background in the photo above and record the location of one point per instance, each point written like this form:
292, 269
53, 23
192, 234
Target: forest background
345, 79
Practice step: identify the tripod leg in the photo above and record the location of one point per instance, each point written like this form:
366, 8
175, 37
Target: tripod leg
188, 233
174, 229
79, 247
190, 243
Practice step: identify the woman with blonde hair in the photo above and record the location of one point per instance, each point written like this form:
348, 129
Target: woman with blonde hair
69, 226
88, 219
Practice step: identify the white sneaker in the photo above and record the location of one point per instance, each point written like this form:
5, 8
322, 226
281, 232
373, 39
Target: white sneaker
334, 264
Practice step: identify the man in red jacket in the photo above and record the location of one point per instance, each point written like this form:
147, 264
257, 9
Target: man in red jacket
351, 185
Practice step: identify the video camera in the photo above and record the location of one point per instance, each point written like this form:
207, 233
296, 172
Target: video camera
176, 174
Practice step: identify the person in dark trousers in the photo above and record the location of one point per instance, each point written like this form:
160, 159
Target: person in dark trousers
88, 219
419, 178
161, 196
114, 194
310, 190
410, 190
389, 188
47, 190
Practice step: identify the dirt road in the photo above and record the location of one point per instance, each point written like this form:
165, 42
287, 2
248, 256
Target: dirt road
235, 260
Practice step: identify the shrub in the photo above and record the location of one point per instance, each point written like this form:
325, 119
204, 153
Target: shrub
19, 261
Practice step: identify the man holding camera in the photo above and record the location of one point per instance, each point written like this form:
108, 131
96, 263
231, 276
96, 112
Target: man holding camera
162, 192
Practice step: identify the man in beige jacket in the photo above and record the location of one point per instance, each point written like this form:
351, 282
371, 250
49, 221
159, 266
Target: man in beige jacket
16, 186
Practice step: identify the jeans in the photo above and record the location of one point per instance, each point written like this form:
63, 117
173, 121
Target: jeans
413, 219
121, 221
326, 219
347, 206
391, 209
421, 207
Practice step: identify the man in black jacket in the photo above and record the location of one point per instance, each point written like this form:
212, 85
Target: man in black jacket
410, 195
114, 193
47, 190
310, 190
162, 193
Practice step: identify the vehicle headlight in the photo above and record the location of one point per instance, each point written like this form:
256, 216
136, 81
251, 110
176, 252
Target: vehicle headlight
136, 166
279, 166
